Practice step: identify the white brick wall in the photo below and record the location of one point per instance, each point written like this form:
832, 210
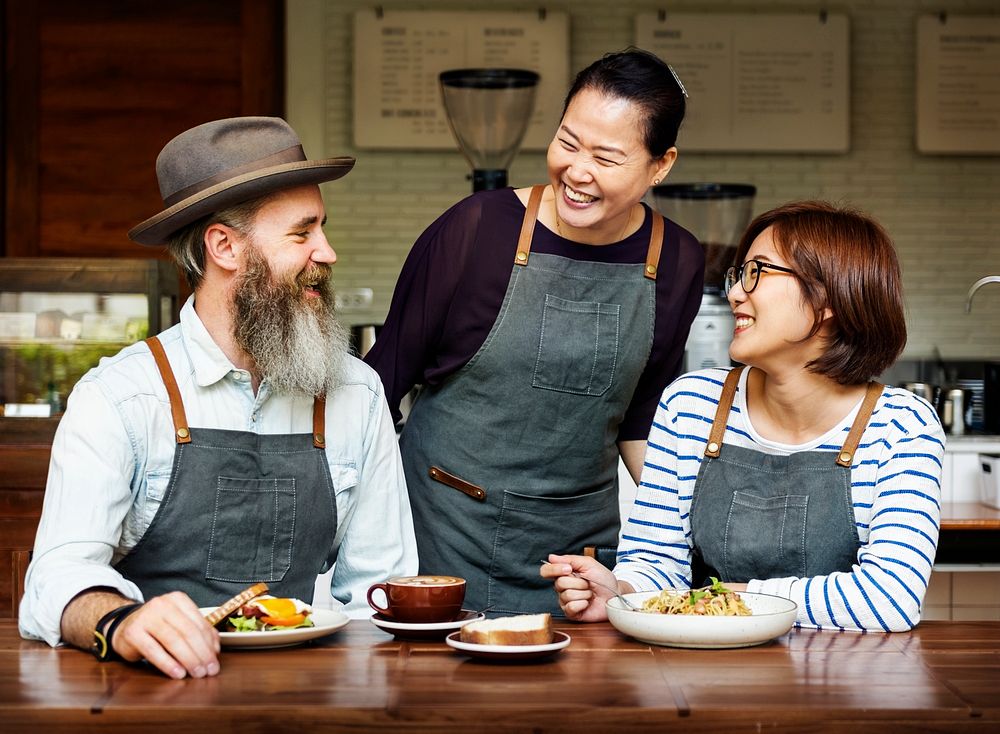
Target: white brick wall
939, 209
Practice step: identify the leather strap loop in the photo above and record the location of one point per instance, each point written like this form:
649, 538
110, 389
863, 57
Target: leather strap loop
528, 226
846, 455
319, 421
182, 432
448, 479
655, 245
714, 444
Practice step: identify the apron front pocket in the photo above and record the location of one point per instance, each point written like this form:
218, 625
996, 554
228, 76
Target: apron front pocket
765, 537
577, 346
253, 527
529, 528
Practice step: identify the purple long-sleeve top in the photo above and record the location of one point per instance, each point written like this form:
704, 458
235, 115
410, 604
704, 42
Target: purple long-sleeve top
453, 282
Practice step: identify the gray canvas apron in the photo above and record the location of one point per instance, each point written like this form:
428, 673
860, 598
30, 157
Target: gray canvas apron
514, 456
239, 508
761, 516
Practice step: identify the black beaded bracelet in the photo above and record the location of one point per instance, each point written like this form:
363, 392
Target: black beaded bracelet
102, 647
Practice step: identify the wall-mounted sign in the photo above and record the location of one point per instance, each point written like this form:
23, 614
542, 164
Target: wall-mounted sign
399, 54
775, 83
958, 84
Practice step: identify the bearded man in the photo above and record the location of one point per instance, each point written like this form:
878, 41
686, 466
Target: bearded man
244, 444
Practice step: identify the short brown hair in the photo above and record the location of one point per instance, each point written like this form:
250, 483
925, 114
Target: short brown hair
846, 262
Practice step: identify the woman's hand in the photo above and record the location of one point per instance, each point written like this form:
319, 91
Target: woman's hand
579, 599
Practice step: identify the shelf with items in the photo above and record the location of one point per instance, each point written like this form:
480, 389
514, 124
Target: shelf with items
60, 316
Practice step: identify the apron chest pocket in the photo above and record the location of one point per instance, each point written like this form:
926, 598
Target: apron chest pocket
765, 537
253, 527
577, 347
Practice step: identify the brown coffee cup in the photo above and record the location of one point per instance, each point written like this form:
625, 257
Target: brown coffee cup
420, 599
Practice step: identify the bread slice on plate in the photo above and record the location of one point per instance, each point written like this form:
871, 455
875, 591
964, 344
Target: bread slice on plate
523, 629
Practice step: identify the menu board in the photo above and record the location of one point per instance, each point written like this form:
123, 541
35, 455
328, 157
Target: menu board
757, 82
399, 54
958, 84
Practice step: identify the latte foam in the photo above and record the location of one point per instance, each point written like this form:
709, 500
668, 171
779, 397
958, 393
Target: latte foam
426, 580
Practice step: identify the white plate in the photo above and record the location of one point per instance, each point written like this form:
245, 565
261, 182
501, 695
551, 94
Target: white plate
509, 653
327, 621
772, 617
425, 631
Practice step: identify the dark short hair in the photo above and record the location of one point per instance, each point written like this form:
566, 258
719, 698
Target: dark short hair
846, 262
645, 80
187, 245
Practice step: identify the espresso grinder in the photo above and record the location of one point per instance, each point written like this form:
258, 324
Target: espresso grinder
717, 214
488, 111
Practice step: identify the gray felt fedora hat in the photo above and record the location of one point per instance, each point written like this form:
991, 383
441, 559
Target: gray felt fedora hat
226, 162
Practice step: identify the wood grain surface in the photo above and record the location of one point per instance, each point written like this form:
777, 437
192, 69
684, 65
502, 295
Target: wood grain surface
943, 677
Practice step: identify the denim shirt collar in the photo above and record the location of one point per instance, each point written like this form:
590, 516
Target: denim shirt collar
208, 361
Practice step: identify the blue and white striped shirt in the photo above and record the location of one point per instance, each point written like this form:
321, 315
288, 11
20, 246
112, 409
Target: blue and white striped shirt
895, 486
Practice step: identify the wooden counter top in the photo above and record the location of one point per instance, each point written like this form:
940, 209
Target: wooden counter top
969, 516
943, 676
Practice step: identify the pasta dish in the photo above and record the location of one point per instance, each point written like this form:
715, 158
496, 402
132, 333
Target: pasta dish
709, 601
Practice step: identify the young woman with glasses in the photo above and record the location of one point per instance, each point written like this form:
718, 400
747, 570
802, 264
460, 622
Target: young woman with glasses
795, 475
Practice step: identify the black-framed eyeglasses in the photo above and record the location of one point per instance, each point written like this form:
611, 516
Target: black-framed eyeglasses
748, 274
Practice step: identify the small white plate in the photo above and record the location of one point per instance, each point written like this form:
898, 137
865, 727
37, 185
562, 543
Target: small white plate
427, 630
772, 617
509, 653
327, 621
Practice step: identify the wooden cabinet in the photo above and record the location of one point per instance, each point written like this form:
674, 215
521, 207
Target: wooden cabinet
25, 443
92, 91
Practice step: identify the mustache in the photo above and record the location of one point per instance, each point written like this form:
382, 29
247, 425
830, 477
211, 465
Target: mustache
316, 274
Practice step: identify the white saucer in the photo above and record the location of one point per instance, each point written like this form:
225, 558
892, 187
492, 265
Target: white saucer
509, 653
425, 630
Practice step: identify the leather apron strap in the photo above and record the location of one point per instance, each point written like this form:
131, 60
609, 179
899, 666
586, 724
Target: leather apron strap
528, 227
714, 444
182, 432
319, 421
655, 245
846, 454
872, 394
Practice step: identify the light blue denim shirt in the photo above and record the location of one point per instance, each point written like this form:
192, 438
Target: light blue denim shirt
113, 454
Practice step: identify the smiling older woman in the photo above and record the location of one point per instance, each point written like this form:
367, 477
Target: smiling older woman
543, 323
795, 475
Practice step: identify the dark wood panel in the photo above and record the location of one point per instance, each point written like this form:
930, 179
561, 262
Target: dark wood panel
18, 533
27, 431
21, 131
99, 88
24, 468
13, 567
20, 502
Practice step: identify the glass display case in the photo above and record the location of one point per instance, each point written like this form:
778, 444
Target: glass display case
59, 316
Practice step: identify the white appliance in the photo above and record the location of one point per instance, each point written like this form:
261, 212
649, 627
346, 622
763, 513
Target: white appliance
717, 214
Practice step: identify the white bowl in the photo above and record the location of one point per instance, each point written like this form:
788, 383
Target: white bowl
772, 617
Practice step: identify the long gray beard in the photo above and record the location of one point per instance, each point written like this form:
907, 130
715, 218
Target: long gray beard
298, 345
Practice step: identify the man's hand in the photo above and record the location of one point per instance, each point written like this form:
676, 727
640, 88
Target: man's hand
172, 634
168, 631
